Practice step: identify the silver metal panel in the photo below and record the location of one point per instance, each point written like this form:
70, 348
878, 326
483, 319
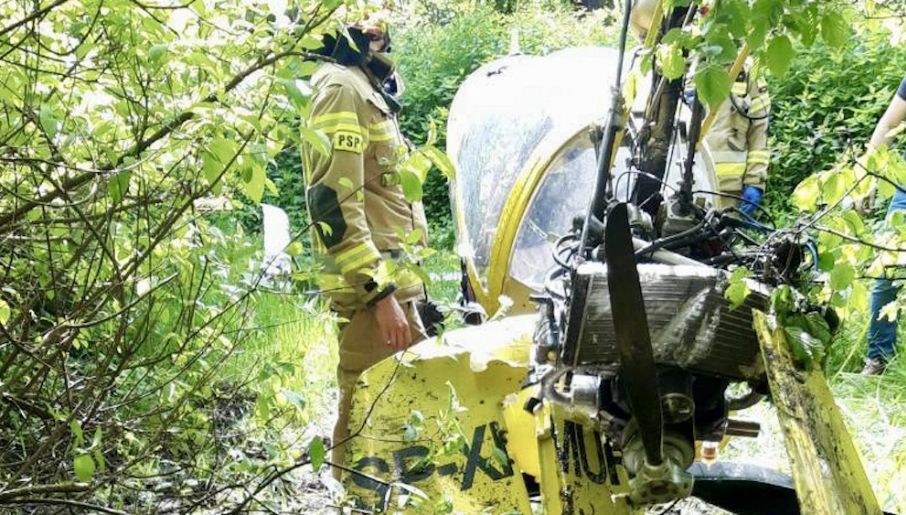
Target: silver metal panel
691, 323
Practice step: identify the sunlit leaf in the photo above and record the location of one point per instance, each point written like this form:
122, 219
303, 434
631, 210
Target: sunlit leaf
713, 85
779, 55
317, 139
805, 196
84, 467
156, 52
673, 64
4, 312
316, 453
841, 277
440, 159
49, 121
737, 291
834, 29
254, 187
295, 248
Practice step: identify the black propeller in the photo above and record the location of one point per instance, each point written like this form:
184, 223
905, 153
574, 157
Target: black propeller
631, 331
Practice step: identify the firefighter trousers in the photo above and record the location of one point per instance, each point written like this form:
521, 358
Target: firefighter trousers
361, 347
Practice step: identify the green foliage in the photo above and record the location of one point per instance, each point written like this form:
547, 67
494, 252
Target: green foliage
737, 290
824, 106
121, 123
766, 26
317, 452
84, 467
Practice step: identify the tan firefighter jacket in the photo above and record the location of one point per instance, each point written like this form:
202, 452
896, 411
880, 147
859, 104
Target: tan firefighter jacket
354, 195
738, 138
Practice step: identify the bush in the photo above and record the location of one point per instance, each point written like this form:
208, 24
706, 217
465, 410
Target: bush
829, 100
437, 50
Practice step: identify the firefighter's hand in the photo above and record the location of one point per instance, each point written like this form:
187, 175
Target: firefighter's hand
392, 323
751, 196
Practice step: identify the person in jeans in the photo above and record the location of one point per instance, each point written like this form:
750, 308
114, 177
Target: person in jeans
882, 333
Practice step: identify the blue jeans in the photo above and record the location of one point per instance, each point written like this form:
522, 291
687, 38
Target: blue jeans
882, 334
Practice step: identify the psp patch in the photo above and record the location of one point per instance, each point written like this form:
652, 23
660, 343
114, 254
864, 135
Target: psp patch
348, 141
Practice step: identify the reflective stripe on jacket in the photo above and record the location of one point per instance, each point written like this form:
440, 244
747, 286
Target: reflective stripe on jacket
738, 139
353, 195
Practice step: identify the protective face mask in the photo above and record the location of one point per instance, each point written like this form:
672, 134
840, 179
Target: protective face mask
381, 65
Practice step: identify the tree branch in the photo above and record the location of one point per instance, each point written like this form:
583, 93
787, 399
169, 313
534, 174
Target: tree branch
33, 16
163, 132
62, 488
66, 502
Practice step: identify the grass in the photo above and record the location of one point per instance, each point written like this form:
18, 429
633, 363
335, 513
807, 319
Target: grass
874, 409
443, 269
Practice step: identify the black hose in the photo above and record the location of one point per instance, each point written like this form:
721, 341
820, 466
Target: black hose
605, 152
662, 242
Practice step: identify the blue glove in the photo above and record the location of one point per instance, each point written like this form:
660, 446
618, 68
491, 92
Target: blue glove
751, 196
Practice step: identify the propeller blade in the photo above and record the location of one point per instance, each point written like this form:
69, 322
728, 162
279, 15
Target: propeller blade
633, 339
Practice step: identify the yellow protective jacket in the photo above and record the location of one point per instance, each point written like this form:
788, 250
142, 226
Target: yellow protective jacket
354, 195
738, 138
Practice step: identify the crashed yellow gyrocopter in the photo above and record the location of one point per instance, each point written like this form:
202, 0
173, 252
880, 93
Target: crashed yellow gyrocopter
615, 360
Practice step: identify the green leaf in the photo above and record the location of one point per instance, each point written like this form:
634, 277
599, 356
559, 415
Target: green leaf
808, 335
834, 29
440, 159
735, 15
832, 189
214, 160
98, 451
119, 186
310, 42
818, 327
48, 120
223, 149
316, 453
254, 186
713, 85
721, 46
858, 297
841, 277
737, 290
294, 398
765, 16
4, 312
298, 91
854, 222
500, 456
78, 436
83, 465
806, 194
674, 35
418, 164
779, 55
412, 185
673, 64
782, 301
294, 249
156, 52
319, 141
212, 168
804, 347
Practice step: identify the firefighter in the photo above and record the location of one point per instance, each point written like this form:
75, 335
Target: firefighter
359, 211
737, 141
